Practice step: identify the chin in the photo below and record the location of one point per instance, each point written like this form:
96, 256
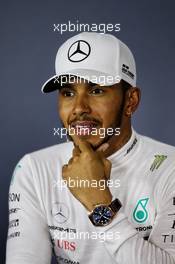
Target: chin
95, 142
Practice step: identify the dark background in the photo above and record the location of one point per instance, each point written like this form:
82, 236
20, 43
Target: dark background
28, 46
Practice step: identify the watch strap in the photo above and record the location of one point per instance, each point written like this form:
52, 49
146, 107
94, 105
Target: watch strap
115, 205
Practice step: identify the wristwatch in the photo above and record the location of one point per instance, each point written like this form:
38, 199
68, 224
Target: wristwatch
102, 215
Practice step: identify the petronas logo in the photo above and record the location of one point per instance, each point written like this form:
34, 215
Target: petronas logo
157, 162
140, 213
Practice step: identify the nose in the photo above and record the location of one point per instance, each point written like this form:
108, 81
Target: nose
81, 106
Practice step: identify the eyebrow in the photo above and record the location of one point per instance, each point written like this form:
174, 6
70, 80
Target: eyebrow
71, 85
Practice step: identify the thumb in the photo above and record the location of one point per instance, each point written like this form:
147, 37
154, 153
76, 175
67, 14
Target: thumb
103, 147
107, 164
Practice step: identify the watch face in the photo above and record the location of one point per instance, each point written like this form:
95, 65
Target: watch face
102, 215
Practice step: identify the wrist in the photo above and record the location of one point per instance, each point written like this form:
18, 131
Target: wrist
104, 198
103, 214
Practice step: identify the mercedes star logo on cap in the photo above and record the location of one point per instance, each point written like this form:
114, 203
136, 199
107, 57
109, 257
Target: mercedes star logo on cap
79, 51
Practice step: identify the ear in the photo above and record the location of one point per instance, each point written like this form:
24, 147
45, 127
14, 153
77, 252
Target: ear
133, 96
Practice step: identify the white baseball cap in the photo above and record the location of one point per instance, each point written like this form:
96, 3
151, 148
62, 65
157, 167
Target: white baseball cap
98, 58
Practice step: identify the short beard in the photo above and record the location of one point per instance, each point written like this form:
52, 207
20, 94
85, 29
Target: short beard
118, 124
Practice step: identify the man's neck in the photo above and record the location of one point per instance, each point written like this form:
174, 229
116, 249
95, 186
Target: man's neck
117, 142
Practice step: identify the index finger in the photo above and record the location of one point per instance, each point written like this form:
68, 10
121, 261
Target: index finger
83, 145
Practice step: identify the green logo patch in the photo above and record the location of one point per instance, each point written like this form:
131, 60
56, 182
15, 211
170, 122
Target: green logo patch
140, 213
157, 162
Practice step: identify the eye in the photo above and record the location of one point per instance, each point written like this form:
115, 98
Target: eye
97, 91
67, 93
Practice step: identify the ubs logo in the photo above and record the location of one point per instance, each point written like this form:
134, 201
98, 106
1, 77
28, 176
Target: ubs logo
66, 245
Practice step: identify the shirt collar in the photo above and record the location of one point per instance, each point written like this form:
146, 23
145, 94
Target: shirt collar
126, 151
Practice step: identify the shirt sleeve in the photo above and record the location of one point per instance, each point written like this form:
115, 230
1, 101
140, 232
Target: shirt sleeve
28, 239
128, 247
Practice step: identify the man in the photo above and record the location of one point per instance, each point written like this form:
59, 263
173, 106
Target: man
108, 195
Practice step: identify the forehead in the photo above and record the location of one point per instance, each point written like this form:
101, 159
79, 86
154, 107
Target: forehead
74, 81
67, 81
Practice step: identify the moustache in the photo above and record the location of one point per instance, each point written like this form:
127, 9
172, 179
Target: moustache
84, 118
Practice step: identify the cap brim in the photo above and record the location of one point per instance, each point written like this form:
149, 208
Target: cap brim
50, 85
103, 79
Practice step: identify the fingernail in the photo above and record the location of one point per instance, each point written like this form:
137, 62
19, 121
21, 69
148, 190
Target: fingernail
104, 147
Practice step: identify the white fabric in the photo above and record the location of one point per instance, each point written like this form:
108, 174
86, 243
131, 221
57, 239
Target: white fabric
99, 58
45, 212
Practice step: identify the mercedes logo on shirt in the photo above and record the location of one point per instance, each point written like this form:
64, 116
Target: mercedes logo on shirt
60, 212
79, 51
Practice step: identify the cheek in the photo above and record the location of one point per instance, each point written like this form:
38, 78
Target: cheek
108, 112
64, 113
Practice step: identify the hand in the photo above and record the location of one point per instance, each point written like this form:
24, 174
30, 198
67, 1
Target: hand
87, 169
